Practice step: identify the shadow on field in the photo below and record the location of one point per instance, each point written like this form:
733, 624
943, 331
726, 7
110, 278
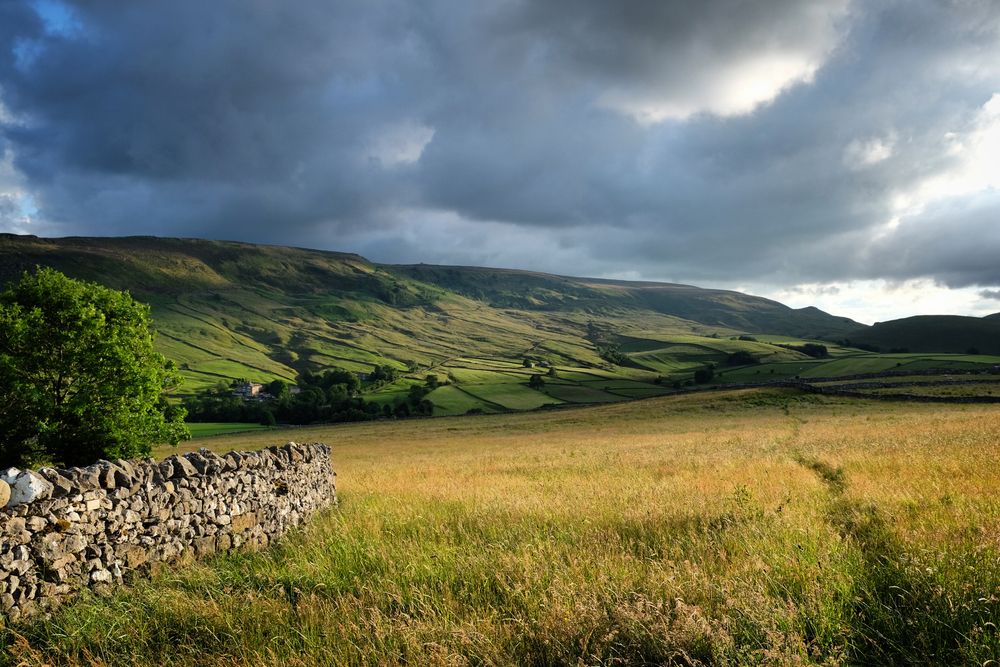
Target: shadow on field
911, 605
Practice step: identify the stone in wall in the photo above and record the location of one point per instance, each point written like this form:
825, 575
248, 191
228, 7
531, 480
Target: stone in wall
65, 530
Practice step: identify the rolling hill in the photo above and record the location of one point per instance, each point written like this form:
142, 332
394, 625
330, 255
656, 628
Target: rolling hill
506, 288
226, 310
933, 333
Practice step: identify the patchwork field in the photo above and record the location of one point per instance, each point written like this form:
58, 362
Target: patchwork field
740, 527
210, 429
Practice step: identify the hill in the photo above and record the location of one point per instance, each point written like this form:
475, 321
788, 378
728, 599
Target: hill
228, 310
506, 288
933, 333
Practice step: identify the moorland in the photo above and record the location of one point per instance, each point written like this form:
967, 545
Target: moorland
760, 526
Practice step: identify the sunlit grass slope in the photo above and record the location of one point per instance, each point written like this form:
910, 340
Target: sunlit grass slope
226, 310
754, 527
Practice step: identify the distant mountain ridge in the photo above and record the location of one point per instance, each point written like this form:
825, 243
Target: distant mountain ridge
513, 288
933, 333
229, 309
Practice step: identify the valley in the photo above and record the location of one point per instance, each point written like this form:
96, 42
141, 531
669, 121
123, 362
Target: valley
227, 310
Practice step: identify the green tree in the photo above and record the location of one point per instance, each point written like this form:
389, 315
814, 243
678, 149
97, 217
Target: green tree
277, 388
536, 382
703, 375
79, 379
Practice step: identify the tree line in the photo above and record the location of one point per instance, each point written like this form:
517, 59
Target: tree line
328, 397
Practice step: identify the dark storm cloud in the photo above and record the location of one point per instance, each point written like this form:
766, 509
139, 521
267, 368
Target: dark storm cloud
711, 141
8, 208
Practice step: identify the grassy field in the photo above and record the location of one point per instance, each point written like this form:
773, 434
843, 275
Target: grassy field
856, 363
979, 389
209, 429
745, 527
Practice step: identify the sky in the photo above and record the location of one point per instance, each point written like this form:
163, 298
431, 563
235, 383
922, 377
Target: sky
820, 152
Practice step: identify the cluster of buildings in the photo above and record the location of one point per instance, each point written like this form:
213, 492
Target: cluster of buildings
254, 391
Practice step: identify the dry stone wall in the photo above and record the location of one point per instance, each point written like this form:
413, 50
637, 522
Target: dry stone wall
65, 530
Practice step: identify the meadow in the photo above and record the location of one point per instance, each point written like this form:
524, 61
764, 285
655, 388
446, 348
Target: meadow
740, 527
208, 429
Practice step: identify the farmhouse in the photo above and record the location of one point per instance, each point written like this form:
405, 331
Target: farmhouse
248, 389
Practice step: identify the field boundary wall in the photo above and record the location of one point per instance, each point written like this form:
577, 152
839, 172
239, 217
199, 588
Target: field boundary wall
66, 530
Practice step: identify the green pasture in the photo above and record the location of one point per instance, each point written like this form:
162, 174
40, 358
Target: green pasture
208, 429
580, 394
511, 396
451, 400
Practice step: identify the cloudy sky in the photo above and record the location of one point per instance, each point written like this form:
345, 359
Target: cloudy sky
828, 152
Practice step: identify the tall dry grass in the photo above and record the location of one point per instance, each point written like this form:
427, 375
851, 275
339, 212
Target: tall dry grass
743, 528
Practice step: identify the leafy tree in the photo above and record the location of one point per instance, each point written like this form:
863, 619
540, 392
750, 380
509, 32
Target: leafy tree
741, 358
330, 396
79, 379
417, 392
277, 388
382, 375
613, 353
536, 382
703, 375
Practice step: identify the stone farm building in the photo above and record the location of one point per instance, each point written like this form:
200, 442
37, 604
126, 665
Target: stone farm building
248, 389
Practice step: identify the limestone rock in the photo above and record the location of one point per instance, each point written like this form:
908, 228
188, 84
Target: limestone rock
198, 461
26, 486
4, 493
61, 486
84, 479
182, 467
88, 527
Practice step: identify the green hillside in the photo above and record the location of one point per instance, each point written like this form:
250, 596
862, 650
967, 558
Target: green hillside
226, 310
505, 288
933, 333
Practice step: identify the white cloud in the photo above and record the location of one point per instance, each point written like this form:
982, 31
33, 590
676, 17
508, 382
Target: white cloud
974, 166
731, 74
860, 154
400, 144
737, 88
870, 301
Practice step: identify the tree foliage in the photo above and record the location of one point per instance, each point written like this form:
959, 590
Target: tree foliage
741, 358
79, 379
703, 375
611, 352
322, 397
